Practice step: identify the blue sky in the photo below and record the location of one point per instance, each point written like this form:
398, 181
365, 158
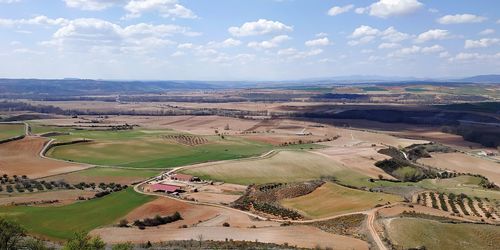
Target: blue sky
247, 40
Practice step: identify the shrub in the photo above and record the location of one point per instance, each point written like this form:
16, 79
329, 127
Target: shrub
225, 224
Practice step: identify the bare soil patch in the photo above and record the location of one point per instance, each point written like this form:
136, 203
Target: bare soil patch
22, 157
64, 196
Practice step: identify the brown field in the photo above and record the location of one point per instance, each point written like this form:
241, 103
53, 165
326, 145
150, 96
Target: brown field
105, 175
302, 236
21, 157
464, 163
64, 197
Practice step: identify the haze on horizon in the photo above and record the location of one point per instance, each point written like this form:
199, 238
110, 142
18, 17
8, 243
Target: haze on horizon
247, 40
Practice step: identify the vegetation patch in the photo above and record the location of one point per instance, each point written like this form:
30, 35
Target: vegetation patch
62, 222
11, 130
349, 225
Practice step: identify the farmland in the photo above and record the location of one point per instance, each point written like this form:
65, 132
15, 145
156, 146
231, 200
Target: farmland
332, 199
284, 166
101, 174
412, 232
11, 130
150, 149
61, 222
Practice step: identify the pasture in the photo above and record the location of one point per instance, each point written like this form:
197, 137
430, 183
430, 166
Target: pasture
11, 130
331, 199
62, 222
412, 233
151, 148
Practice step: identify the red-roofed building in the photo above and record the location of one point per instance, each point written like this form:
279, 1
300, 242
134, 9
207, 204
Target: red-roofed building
167, 188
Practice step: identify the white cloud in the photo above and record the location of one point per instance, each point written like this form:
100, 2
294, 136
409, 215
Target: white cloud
97, 35
185, 46
461, 18
337, 10
166, 8
318, 42
178, 53
273, 43
432, 49
487, 32
10, 1
38, 20
293, 54
389, 45
92, 4
481, 43
230, 42
435, 34
365, 34
405, 51
364, 30
469, 57
444, 54
363, 40
360, 10
259, 27
391, 34
388, 8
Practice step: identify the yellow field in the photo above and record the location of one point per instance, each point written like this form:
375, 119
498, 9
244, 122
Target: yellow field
284, 166
332, 199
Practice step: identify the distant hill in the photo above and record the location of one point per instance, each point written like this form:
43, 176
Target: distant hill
482, 79
93, 87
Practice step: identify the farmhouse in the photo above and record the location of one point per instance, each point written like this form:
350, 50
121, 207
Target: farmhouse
166, 188
184, 177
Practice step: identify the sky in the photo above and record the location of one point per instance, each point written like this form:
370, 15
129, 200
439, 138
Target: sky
248, 39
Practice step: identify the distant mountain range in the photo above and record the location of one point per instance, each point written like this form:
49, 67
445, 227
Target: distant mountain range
73, 86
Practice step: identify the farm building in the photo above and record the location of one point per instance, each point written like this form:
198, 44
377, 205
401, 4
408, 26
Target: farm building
184, 177
303, 132
166, 188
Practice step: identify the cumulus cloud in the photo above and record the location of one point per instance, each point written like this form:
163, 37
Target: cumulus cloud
293, 54
38, 20
389, 45
166, 8
230, 42
273, 43
93, 34
259, 27
337, 10
364, 34
481, 43
388, 8
432, 49
93, 4
461, 18
486, 32
435, 34
391, 34
469, 57
318, 42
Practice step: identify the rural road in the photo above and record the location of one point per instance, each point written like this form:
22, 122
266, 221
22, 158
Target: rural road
373, 231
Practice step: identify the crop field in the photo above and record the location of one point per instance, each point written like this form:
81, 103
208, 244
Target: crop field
412, 232
11, 130
99, 174
21, 157
464, 163
61, 222
284, 166
332, 199
151, 149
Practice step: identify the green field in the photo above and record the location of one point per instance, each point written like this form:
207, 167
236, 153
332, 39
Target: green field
11, 130
147, 149
332, 199
412, 232
62, 222
369, 89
